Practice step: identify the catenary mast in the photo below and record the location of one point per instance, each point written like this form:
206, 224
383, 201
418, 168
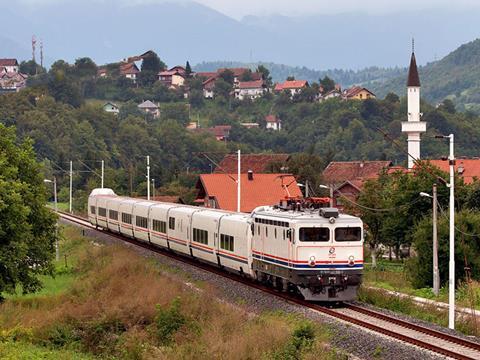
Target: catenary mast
414, 126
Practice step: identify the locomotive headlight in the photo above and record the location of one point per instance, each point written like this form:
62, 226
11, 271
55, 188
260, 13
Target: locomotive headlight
331, 220
312, 261
351, 260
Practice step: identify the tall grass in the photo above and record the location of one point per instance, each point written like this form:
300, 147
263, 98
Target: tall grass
122, 306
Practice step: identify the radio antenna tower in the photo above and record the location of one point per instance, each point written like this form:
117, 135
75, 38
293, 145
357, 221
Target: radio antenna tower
34, 42
41, 53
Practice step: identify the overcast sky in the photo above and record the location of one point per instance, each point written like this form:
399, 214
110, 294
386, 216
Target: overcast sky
239, 8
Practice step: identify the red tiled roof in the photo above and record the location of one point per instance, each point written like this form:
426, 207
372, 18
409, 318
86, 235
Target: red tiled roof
258, 163
355, 90
8, 62
264, 189
129, 68
291, 84
256, 84
340, 171
206, 74
272, 119
471, 168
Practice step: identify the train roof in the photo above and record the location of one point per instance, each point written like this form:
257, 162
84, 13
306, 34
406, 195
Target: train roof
303, 215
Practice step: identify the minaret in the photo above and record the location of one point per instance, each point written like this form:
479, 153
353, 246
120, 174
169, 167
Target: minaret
413, 127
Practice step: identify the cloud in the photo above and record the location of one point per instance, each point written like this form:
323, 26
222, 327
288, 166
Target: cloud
239, 8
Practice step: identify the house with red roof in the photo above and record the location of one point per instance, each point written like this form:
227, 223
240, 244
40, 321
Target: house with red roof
357, 93
467, 169
250, 89
273, 122
209, 87
219, 191
292, 86
346, 178
258, 163
9, 65
129, 70
12, 81
174, 77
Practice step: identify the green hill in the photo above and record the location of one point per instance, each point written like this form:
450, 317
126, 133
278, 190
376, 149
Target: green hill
456, 77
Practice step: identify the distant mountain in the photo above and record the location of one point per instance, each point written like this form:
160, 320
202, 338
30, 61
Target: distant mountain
280, 72
109, 30
456, 76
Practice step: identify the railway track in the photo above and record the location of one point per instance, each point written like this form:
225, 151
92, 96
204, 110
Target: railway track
423, 337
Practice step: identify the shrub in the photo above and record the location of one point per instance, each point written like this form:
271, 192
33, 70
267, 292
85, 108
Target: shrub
169, 321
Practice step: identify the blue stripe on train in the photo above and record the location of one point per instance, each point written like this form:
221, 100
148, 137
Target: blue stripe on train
306, 266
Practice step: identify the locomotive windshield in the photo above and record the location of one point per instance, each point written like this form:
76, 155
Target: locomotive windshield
348, 234
314, 234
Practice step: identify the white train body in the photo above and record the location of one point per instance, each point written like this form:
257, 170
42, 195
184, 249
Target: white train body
320, 255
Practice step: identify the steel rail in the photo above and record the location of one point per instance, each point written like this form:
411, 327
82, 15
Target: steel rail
296, 300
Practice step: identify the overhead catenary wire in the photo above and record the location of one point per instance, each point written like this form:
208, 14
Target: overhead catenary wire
377, 209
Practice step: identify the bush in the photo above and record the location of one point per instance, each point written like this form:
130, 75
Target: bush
168, 321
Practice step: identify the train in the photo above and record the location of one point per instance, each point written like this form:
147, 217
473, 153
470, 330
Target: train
292, 246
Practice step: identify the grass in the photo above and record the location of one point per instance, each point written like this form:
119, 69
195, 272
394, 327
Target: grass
18, 350
430, 313
393, 277
115, 304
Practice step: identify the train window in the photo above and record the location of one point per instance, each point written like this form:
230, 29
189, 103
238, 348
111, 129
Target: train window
171, 223
102, 212
126, 218
200, 236
160, 226
226, 242
287, 224
348, 234
314, 234
92, 209
112, 214
141, 221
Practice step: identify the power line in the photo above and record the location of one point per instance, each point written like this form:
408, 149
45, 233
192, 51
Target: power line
377, 209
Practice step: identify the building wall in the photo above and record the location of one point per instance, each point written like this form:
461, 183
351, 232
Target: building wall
363, 95
178, 80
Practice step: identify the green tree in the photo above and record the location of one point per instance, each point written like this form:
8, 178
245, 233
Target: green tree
222, 88
227, 76
151, 65
188, 69
290, 78
31, 68
27, 227
246, 76
265, 75
327, 84
84, 67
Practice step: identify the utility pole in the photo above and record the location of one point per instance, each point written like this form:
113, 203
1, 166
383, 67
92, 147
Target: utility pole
451, 280
103, 171
71, 185
57, 251
148, 177
436, 275
331, 194
238, 182
153, 188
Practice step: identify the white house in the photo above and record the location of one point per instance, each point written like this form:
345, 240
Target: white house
294, 87
208, 88
111, 108
9, 65
129, 70
273, 122
149, 107
250, 89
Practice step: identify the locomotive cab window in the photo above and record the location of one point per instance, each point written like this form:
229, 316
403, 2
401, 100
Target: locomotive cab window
348, 234
314, 234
